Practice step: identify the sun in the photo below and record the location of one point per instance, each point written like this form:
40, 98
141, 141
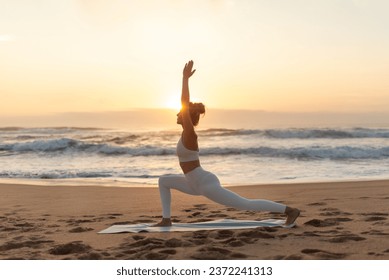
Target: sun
172, 102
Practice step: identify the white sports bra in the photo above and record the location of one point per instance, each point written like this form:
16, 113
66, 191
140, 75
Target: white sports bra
184, 154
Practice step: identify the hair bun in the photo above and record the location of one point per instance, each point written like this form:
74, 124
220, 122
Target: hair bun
197, 107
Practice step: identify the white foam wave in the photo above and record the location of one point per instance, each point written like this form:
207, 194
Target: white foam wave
302, 133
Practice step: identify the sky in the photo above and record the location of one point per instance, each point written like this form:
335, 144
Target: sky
110, 56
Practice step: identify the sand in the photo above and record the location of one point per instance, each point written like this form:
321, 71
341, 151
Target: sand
342, 220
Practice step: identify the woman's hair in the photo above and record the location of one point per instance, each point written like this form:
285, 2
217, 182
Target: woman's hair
195, 110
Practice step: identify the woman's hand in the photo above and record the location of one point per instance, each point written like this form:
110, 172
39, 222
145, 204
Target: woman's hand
188, 72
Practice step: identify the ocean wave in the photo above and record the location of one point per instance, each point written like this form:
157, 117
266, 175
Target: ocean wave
327, 133
120, 140
68, 145
66, 174
306, 153
296, 133
20, 133
228, 132
18, 128
72, 145
51, 145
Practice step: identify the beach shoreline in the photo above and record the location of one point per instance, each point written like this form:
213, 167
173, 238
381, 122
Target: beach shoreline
339, 220
120, 183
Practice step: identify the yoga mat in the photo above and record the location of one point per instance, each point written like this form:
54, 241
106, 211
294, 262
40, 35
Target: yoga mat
212, 225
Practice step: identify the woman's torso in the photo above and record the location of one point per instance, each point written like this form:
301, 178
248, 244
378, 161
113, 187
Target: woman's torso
189, 159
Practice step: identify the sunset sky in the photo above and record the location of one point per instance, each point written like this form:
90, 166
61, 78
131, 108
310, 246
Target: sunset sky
291, 56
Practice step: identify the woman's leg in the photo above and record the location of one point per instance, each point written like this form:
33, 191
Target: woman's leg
167, 182
212, 189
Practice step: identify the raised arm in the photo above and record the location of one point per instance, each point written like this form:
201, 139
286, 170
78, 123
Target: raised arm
190, 137
186, 74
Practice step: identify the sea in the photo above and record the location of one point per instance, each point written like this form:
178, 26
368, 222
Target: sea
237, 156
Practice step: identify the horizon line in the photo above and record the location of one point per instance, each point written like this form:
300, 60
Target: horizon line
135, 109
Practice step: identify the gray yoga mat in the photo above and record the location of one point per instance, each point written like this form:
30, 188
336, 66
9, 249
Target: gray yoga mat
212, 225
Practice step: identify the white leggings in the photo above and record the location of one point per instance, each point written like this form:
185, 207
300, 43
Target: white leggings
201, 182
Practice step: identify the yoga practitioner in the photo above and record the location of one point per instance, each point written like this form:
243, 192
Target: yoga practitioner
197, 181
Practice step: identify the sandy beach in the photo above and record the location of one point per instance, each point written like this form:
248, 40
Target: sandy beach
343, 220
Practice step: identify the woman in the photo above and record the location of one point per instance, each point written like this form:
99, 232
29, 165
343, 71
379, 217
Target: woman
197, 181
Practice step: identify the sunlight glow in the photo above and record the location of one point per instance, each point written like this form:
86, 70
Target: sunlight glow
5, 38
277, 56
172, 101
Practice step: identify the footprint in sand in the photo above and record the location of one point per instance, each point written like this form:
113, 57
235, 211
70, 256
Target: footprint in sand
142, 249
110, 215
317, 204
76, 222
195, 214
323, 233
34, 244
173, 243
217, 216
375, 216
223, 234
340, 219
144, 221
200, 237
90, 256
200, 206
233, 242
320, 223
168, 251
24, 225
53, 226
251, 236
345, 238
238, 256
18, 237
6, 228
138, 237
256, 233
310, 233
333, 212
145, 245
80, 229
321, 254
216, 253
155, 256
375, 219
327, 222
70, 248
375, 232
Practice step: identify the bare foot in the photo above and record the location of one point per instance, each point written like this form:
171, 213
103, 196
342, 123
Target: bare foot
292, 214
166, 222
